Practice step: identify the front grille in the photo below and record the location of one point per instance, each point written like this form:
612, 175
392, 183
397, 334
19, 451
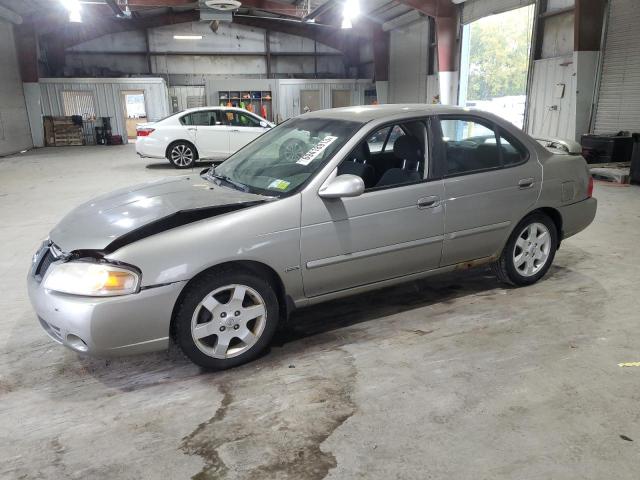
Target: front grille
47, 259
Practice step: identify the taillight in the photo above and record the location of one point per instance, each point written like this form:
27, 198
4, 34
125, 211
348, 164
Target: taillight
590, 187
145, 132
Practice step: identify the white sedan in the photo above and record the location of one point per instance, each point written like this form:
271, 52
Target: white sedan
199, 133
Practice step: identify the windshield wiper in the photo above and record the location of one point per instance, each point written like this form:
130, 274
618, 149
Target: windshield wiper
237, 185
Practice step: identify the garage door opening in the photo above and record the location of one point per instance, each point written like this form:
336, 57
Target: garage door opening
494, 63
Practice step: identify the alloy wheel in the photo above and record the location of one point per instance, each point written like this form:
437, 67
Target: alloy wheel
182, 155
532, 249
228, 321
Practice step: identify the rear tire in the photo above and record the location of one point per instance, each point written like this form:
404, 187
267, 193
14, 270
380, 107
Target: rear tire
529, 252
226, 318
182, 154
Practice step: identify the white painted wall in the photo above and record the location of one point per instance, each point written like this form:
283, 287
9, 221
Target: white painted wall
549, 115
408, 63
15, 134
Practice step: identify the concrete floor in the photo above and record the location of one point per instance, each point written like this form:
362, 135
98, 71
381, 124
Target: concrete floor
455, 377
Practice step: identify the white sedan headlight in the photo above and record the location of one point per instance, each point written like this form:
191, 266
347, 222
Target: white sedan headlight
91, 279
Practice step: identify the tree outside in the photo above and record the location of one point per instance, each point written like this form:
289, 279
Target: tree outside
499, 55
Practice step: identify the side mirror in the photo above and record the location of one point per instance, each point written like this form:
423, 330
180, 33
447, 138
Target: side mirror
342, 186
264, 124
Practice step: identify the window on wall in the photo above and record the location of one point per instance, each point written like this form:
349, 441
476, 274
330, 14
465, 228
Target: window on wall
79, 103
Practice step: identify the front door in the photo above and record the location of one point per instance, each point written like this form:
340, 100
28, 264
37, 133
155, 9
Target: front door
243, 128
393, 229
490, 183
211, 133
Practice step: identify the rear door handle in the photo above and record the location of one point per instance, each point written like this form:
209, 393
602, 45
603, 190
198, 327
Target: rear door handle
428, 202
525, 183
235, 130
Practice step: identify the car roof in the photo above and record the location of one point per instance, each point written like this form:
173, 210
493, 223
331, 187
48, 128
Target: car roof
368, 113
215, 107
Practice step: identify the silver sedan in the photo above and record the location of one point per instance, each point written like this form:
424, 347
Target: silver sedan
374, 196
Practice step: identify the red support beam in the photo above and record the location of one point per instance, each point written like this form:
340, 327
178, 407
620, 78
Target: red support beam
26, 42
588, 21
447, 38
380, 40
272, 6
432, 8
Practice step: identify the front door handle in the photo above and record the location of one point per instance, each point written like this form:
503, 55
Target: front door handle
525, 183
235, 130
193, 129
428, 202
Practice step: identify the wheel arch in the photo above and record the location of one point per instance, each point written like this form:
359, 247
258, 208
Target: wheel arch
265, 271
171, 144
555, 216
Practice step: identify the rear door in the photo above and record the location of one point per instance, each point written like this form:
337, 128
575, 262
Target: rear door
243, 128
211, 133
490, 183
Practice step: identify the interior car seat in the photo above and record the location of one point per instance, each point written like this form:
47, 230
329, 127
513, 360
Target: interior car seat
407, 148
357, 164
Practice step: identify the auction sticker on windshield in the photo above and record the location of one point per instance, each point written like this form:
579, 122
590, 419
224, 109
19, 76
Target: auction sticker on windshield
279, 185
319, 147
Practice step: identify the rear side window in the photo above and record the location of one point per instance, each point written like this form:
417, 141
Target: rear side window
469, 146
512, 151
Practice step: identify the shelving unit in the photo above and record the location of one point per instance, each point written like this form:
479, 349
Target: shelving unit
257, 101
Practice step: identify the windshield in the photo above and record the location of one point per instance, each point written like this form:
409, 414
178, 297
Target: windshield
286, 156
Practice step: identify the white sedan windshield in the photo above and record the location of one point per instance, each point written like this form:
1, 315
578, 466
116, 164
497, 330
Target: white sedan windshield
286, 156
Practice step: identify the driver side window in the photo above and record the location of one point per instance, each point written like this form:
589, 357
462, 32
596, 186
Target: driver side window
391, 156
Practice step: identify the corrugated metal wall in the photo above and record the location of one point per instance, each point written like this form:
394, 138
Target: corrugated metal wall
619, 96
15, 134
549, 115
107, 94
288, 98
183, 97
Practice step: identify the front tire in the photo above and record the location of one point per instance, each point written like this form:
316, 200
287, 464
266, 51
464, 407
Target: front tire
226, 318
529, 252
182, 154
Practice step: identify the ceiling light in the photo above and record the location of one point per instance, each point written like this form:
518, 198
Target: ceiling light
350, 12
187, 37
74, 9
351, 9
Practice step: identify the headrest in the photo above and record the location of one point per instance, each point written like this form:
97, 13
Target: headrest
408, 148
361, 152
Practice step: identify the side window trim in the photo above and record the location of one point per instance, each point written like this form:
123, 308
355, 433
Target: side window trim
515, 143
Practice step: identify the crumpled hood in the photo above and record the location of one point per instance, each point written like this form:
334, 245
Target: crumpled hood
99, 222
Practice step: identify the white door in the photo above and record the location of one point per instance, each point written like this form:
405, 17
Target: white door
243, 128
211, 135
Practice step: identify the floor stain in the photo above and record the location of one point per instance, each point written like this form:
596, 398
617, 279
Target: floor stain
278, 431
